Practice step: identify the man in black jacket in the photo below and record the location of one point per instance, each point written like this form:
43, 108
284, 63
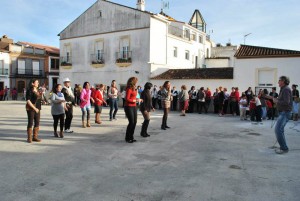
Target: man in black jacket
70, 101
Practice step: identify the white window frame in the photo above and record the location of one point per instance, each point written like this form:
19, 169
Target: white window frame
187, 55
175, 51
21, 66
35, 67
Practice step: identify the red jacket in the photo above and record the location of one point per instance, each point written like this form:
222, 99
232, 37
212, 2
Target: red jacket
97, 95
130, 97
237, 95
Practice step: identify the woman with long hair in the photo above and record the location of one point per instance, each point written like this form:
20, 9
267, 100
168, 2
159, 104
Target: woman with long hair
33, 107
145, 107
85, 104
113, 100
166, 98
58, 108
131, 109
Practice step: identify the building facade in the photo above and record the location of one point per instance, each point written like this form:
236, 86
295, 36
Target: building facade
110, 41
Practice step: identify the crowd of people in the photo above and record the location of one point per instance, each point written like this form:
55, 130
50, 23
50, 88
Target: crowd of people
264, 105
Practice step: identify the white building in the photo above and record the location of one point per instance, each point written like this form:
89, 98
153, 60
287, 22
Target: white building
243, 67
112, 41
4, 69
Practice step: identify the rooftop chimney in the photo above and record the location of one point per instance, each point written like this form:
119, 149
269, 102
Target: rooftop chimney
140, 5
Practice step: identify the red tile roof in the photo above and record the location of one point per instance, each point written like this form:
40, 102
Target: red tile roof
198, 73
247, 51
49, 49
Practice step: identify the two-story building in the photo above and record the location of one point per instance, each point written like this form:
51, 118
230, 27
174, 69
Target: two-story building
110, 41
4, 62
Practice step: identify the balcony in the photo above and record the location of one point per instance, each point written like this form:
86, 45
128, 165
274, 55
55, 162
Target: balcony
28, 73
66, 62
97, 60
175, 31
123, 59
3, 71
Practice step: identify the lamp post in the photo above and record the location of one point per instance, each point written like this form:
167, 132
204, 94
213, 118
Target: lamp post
245, 37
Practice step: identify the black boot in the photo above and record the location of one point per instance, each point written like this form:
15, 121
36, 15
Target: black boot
143, 131
163, 125
146, 122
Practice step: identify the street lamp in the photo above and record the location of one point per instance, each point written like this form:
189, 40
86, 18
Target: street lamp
245, 37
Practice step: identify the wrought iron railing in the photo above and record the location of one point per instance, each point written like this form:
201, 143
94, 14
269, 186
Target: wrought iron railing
124, 57
4, 71
66, 61
97, 58
28, 72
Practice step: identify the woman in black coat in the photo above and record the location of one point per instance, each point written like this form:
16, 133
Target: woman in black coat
146, 107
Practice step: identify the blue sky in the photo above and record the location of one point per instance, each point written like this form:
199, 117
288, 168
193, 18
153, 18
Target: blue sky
272, 23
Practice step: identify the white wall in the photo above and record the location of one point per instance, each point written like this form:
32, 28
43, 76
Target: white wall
245, 71
82, 70
6, 62
217, 63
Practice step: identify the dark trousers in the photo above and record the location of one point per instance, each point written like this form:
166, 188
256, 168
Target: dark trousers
154, 101
69, 117
174, 103
131, 114
225, 106
258, 112
165, 117
113, 103
159, 103
33, 117
192, 105
61, 119
200, 106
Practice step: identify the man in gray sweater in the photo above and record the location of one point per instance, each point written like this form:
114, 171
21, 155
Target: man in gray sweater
284, 104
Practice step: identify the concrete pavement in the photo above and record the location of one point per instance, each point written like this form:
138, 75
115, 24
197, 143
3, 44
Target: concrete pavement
201, 158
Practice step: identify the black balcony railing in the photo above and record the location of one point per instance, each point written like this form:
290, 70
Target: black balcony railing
3, 71
28, 73
66, 61
124, 57
97, 58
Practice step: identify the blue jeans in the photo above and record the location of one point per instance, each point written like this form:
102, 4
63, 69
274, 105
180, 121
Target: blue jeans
283, 118
113, 103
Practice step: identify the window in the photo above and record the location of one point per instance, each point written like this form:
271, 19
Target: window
35, 67
54, 64
193, 36
124, 48
67, 54
99, 46
187, 55
187, 33
200, 39
175, 51
2, 67
21, 66
100, 13
266, 77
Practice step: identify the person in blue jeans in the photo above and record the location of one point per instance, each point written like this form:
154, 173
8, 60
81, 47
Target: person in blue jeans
113, 100
284, 106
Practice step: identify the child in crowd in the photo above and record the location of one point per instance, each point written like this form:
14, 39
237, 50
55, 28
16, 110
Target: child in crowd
243, 106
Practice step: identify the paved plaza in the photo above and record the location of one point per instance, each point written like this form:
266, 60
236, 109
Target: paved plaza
201, 158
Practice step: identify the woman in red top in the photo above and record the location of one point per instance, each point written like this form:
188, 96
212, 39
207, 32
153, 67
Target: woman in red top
99, 101
130, 108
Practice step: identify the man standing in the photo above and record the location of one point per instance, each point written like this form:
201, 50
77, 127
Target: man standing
284, 106
70, 101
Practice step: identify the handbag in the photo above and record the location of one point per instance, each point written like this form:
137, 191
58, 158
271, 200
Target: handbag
297, 99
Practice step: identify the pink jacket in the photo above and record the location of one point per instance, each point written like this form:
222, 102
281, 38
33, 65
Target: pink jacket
85, 95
